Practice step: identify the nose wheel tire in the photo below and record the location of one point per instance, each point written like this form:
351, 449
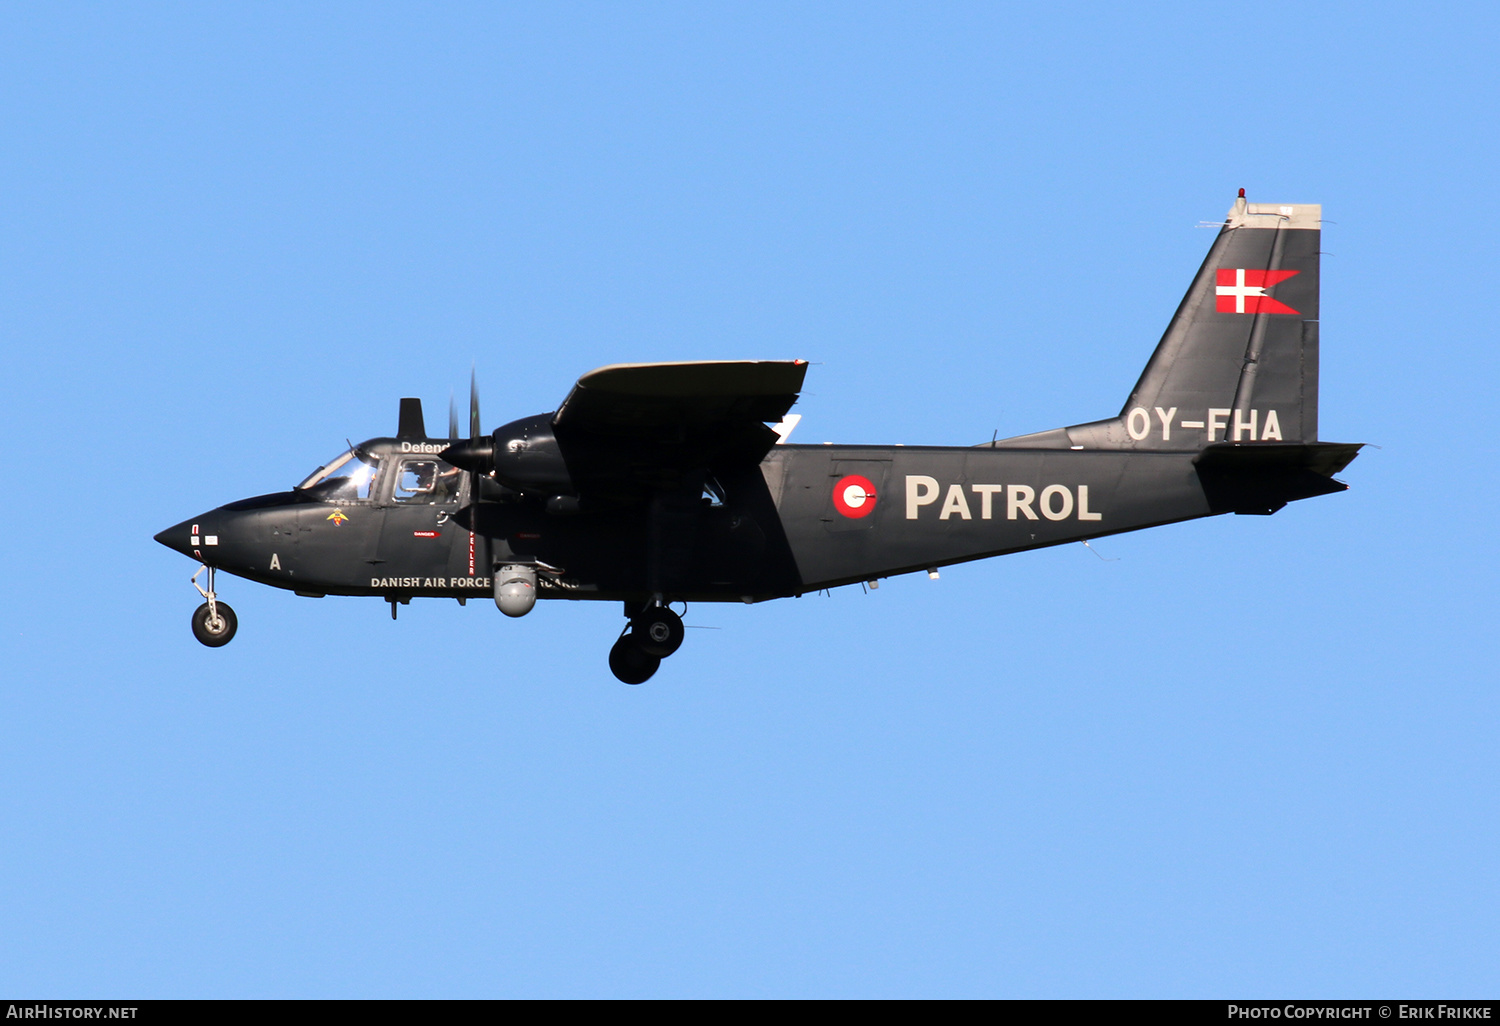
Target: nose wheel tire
214, 631
628, 662
657, 631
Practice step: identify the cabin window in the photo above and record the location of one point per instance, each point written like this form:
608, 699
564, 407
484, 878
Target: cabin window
427, 481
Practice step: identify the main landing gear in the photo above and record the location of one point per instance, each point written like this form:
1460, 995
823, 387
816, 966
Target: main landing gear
214, 622
654, 633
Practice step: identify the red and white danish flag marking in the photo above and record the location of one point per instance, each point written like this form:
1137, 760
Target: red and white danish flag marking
1243, 291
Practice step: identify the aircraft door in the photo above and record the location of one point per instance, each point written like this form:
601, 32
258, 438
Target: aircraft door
858, 492
417, 531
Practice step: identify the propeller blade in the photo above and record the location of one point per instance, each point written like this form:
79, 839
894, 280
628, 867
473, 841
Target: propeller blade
473, 405
452, 418
477, 454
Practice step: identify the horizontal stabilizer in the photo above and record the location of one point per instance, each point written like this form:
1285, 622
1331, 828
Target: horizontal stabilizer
1259, 479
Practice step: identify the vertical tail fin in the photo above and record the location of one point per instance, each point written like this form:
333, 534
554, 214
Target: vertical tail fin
1239, 361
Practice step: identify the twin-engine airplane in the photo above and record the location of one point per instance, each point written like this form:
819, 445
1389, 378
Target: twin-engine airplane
657, 484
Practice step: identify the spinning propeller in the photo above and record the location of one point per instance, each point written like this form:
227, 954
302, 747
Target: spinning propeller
476, 454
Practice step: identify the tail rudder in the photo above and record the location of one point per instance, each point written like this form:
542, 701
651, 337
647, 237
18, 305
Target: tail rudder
1239, 360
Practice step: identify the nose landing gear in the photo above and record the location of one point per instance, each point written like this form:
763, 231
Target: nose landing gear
214, 622
654, 633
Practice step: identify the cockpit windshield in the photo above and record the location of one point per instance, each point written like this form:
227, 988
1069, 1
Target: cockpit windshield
348, 477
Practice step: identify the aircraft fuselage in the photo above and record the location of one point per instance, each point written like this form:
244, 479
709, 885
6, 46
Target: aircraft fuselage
810, 517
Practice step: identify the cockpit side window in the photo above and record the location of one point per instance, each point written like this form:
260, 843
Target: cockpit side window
349, 477
422, 482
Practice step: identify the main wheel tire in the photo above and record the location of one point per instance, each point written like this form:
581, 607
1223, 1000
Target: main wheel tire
658, 631
215, 633
628, 663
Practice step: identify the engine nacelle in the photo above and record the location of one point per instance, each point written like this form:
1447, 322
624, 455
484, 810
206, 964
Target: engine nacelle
515, 590
526, 456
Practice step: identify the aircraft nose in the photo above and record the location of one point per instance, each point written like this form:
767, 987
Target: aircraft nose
183, 537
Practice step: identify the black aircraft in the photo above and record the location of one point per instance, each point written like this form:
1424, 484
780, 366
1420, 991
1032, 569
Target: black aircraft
661, 484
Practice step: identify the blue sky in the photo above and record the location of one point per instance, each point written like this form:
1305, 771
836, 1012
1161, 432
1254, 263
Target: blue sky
1248, 756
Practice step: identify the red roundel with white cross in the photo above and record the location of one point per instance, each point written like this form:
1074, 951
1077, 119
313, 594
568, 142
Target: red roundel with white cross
854, 496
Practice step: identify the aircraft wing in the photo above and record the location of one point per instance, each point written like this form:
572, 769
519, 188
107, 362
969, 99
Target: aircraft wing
706, 395
644, 420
